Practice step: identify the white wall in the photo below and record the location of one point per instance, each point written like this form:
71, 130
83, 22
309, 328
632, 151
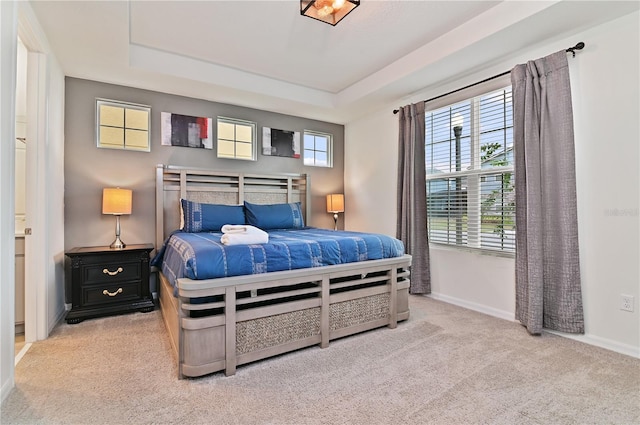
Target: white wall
370, 168
54, 186
605, 87
606, 98
8, 40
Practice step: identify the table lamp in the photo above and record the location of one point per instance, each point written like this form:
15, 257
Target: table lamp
335, 205
116, 201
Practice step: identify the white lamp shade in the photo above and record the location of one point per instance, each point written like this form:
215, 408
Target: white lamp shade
335, 203
116, 201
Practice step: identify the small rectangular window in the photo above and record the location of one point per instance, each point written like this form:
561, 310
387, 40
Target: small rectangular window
122, 125
237, 139
318, 149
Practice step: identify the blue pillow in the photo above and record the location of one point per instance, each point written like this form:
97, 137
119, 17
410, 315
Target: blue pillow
274, 216
209, 217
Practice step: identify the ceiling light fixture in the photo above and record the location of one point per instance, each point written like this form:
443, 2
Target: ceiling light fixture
329, 11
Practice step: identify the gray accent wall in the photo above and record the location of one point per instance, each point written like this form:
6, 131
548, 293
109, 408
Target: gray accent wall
88, 169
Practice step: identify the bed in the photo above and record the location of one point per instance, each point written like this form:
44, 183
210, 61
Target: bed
219, 319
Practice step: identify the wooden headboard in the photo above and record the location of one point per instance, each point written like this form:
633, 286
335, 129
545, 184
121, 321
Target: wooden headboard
214, 187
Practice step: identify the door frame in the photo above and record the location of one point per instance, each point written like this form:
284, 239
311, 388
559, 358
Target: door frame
36, 288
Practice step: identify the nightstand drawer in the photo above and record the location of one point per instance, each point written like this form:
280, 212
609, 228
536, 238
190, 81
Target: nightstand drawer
107, 294
112, 272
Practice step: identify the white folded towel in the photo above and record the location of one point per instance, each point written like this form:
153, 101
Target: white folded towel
243, 235
236, 228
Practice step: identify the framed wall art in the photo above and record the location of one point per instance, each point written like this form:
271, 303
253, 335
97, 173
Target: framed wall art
186, 131
280, 142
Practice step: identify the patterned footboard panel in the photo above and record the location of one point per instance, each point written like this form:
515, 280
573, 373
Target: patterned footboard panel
361, 310
272, 331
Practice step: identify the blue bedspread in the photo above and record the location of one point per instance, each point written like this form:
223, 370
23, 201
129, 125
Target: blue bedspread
203, 256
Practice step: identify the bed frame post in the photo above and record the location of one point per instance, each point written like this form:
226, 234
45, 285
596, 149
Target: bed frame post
325, 329
307, 199
183, 184
180, 340
393, 299
159, 205
230, 330
241, 189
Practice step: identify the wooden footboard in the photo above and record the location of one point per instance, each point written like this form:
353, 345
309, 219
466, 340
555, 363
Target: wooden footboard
247, 318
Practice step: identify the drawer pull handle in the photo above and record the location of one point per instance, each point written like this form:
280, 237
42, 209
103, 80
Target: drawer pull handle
112, 294
110, 273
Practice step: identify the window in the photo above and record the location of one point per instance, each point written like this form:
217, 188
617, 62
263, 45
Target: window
318, 149
470, 180
236, 139
121, 125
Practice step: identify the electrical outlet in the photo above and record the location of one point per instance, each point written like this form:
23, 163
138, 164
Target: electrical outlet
626, 303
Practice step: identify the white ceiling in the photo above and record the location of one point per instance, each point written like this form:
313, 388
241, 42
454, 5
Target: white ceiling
264, 55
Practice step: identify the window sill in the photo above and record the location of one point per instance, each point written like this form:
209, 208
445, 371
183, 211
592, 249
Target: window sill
477, 251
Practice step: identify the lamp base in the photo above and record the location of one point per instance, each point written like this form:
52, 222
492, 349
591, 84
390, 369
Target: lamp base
117, 244
335, 221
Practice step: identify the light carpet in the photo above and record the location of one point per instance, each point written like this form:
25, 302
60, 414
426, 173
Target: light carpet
445, 365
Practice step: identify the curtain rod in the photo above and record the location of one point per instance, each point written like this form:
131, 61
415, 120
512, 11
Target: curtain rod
572, 50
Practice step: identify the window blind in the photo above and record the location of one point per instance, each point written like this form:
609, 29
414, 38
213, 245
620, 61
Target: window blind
470, 179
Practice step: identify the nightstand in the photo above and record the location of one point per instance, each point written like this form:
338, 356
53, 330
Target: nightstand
107, 281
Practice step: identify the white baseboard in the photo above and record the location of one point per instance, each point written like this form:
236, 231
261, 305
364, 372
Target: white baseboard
506, 315
607, 344
59, 318
597, 341
6, 388
22, 353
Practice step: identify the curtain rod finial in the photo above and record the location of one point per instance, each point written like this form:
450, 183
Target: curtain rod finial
573, 49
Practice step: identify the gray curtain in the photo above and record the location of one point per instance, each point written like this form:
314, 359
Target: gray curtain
548, 293
412, 195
